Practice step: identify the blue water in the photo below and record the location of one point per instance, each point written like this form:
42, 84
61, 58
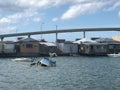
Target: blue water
70, 73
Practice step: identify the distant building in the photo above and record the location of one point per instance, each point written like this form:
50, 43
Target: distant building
113, 44
114, 48
7, 47
101, 46
68, 47
27, 46
60, 40
48, 47
93, 48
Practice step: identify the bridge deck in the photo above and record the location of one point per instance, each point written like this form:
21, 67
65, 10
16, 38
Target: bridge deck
61, 31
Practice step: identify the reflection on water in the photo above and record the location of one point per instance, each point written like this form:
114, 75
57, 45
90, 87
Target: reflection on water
70, 73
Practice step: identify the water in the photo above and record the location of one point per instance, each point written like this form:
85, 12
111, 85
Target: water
71, 73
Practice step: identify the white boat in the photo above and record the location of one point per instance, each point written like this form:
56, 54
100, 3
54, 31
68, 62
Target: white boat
47, 62
23, 60
52, 54
114, 55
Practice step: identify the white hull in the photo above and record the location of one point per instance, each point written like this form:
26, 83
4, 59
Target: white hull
23, 60
52, 54
114, 55
47, 62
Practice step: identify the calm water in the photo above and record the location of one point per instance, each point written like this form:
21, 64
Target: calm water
71, 73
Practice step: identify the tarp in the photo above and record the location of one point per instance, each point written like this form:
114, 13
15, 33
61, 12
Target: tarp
116, 38
84, 40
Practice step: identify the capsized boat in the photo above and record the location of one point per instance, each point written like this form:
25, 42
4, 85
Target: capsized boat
114, 55
47, 62
23, 60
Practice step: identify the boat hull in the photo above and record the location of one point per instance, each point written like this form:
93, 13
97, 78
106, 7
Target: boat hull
47, 62
114, 55
23, 60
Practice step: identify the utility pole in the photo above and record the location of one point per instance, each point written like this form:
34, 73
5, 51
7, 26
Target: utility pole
41, 28
56, 27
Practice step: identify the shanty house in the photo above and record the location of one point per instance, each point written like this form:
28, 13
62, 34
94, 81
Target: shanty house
7, 47
93, 49
27, 46
113, 44
48, 47
68, 47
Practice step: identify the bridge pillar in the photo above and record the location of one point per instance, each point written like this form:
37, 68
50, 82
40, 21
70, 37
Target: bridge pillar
56, 36
29, 36
84, 34
2, 39
56, 26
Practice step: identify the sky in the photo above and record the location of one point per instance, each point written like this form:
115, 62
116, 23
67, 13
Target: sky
17, 16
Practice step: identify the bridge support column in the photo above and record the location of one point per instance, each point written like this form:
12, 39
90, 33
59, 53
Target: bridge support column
56, 32
56, 36
29, 36
2, 39
84, 36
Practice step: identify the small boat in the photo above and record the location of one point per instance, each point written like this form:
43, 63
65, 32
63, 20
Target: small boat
114, 55
52, 54
23, 60
47, 62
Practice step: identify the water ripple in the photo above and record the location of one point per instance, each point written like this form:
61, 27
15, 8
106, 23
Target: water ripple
71, 73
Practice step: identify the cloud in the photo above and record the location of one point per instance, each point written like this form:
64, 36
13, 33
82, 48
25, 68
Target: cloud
36, 19
113, 5
12, 21
7, 29
55, 19
14, 12
21, 5
34, 3
82, 8
119, 13
14, 18
10, 5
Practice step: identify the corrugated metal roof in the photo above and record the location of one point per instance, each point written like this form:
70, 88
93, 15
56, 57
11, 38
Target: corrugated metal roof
28, 40
83, 40
94, 43
116, 38
106, 40
48, 43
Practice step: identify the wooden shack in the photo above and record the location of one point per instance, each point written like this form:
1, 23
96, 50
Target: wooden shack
7, 47
68, 47
113, 44
48, 47
93, 48
27, 46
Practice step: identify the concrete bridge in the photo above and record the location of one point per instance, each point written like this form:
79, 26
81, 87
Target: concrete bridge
61, 31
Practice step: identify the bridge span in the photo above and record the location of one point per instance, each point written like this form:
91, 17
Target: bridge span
60, 31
